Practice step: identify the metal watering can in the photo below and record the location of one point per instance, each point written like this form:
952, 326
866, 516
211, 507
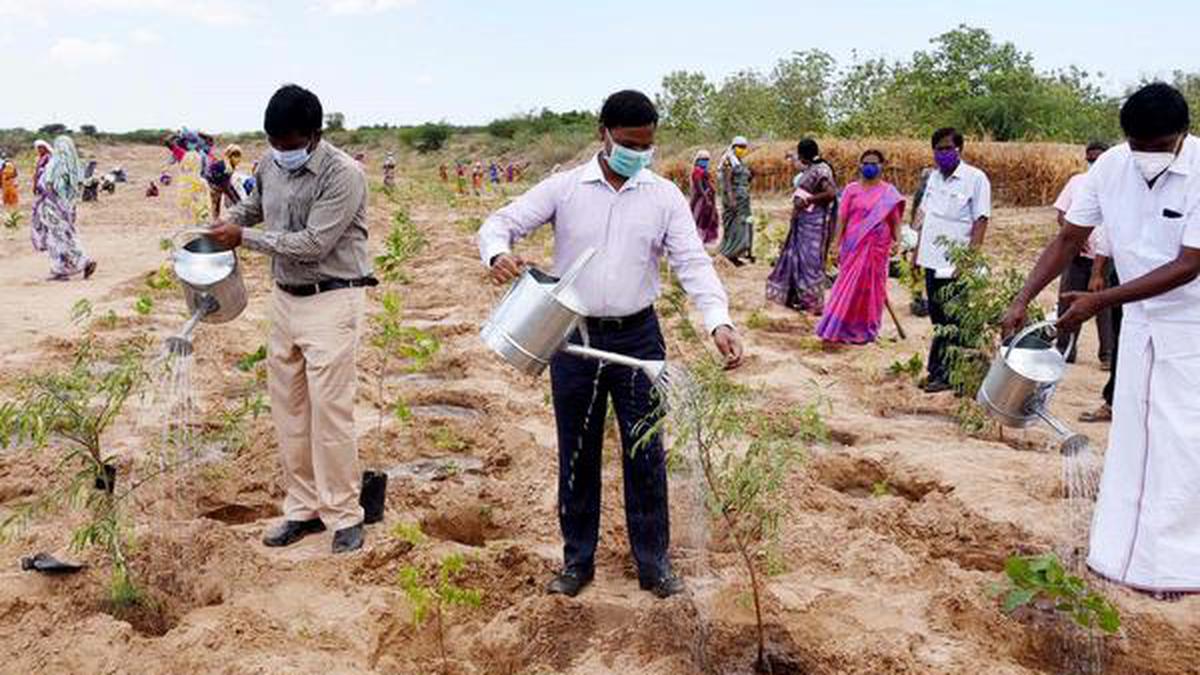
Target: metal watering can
212, 284
1021, 380
536, 317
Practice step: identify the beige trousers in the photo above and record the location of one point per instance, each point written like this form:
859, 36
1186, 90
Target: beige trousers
311, 375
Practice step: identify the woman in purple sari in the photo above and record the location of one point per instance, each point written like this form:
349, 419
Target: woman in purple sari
868, 227
798, 279
704, 199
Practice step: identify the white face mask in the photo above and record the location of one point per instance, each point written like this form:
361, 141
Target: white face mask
1152, 164
290, 160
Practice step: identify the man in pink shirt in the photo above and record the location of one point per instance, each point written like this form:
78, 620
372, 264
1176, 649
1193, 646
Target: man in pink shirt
1079, 273
633, 217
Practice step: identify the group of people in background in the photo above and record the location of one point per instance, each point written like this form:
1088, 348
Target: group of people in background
493, 174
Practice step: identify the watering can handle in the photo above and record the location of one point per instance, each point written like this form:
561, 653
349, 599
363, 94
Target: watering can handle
573, 271
1032, 329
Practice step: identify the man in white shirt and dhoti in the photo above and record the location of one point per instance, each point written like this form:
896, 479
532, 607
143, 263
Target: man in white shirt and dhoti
1146, 192
633, 217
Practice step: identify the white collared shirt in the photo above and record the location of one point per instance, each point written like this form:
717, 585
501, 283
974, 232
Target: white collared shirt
1144, 227
1063, 205
951, 206
631, 229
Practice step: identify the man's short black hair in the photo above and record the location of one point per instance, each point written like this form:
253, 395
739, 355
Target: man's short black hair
628, 108
1154, 111
955, 134
293, 109
1096, 146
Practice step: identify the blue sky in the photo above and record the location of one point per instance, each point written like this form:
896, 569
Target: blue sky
124, 64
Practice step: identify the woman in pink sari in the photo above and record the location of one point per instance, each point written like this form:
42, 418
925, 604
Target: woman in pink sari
868, 226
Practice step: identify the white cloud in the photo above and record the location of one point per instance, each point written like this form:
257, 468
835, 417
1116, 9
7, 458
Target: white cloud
145, 36
74, 52
347, 7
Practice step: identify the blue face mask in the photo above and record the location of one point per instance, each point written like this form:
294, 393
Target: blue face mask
628, 162
870, 171
290, 160
703, 164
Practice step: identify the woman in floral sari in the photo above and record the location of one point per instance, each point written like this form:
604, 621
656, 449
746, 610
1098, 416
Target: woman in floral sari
868, 226
798, 279
52, 229
704, 199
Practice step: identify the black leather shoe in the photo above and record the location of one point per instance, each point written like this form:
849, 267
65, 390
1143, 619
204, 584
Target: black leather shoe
936, 387
569, 582
348, 539
663, 587
292, 531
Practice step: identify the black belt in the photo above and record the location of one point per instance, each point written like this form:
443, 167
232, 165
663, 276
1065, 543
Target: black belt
305, 290
608, 324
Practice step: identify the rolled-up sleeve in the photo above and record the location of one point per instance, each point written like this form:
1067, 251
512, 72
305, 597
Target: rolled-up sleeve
341, 195
981, 198
1085, 208
692, 264
1191, 228
517, 220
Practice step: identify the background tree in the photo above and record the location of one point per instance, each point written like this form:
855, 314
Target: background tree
685, 102
88, 130
802, 85
746, 105
335, 121
54, 129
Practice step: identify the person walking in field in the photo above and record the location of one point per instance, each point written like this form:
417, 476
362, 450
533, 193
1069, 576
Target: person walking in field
313, 199
704, 199
1078, 274
1146, 526
735, 177
956, 207
477, 178
798, 279
868, 227
648, 218
8, 183
443, 173
57, 186
389, 171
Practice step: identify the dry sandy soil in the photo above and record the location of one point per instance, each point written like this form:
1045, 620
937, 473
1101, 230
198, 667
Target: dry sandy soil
871, 584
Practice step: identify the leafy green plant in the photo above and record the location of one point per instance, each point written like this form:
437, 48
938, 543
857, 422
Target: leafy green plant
977, 301
910, 367
74, 407
712, 418
143, 305
250, 361
161, 279
447, 439
402, 244
757, 320
436, 592
912, 278
81, 310
12, 220
230, 423
391, 338
1040, 581
881, 488
409, 532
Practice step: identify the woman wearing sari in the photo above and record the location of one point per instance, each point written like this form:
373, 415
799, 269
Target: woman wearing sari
738, 241
704, 199
57, 182
8, 183
798, 279
868, 226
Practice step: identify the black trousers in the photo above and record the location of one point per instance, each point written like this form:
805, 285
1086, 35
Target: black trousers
581, 389
1117, 314
938, 291
1076, 278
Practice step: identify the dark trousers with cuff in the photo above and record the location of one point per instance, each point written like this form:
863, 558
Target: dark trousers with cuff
938, 292
581, 390
1076, 278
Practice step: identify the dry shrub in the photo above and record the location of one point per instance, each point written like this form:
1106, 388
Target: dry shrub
1022, 174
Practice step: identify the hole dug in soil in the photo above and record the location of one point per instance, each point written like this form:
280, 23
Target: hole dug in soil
864, 477
180, 570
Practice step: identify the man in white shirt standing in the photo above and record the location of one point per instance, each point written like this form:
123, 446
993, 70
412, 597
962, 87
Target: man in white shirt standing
956, 206
1078, 275
1146, 528
633, 217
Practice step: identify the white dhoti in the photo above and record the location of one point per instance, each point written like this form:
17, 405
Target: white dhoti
1146, 527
